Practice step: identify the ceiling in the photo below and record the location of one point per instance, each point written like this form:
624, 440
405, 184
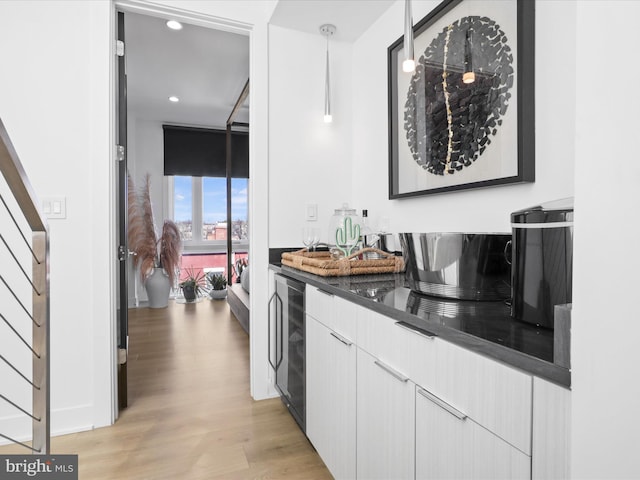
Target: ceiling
207, 69
351, 17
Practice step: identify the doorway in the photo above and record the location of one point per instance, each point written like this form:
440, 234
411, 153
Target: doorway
174, 77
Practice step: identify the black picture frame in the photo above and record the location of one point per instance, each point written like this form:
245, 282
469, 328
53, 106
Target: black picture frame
425, 154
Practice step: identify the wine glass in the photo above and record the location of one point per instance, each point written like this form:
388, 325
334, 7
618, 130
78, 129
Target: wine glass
307, 237
316, 237
310, 237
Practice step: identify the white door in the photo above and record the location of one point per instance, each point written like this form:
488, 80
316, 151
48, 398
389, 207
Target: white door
385, 421
450, 445
331, 398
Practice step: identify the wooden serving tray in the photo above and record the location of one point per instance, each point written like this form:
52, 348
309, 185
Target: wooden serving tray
321, 263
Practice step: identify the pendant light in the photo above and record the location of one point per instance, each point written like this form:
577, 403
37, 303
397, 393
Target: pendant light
469, 75
409, 64
327, 30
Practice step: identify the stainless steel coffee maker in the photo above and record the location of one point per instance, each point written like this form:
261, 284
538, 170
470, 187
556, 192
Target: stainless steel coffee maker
542, 261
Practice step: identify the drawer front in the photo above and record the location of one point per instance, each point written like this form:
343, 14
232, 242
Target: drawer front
333, 312
492, 394
379, 336
344, 318
319, 304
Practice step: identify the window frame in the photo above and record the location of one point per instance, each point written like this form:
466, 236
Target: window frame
199, 245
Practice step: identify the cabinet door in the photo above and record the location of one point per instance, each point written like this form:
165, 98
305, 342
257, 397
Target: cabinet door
385, 422
449, 445
331, 398
551, 430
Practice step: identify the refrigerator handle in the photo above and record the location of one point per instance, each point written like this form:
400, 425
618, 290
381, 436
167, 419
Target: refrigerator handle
278, 362
275, 295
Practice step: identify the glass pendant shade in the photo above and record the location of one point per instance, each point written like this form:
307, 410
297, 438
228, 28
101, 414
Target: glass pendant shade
409, 64
327, 30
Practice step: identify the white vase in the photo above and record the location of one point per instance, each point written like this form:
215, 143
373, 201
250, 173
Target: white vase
158, 288
244, 279
218, 294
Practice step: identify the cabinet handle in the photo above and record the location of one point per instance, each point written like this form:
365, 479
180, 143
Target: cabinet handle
414, 329
340, 338
391, 371
442, 404
326, 293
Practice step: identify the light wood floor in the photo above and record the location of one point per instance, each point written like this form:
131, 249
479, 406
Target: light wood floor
190, 414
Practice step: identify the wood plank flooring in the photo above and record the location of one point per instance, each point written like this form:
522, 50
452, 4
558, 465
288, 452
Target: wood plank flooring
190, 414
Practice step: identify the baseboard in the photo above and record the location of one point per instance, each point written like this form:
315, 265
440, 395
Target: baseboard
63, 422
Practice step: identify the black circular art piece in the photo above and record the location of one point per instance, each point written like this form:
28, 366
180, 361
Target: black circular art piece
449, 123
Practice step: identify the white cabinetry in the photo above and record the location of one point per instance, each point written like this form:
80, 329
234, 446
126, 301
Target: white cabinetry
551, 431
387, 402
386, 422
472, 414
494, 395
331, 382
450, 445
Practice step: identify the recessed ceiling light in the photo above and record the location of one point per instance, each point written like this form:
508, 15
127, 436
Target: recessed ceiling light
174, 99
174, 25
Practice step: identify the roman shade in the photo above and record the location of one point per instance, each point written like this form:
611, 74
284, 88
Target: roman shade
201, 152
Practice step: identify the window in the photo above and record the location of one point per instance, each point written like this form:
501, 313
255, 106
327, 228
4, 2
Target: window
199, 208
183, 206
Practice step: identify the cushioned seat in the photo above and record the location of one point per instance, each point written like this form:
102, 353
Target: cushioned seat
238, 300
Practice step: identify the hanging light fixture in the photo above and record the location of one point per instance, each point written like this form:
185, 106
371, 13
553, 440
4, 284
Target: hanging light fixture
469, 75
327, 30
409, 64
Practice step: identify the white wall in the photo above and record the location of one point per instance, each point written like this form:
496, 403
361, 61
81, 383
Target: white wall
309, 160
605, 327
54, 102
480, 210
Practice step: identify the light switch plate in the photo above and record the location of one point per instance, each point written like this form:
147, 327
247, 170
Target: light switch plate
54, 207
312, 212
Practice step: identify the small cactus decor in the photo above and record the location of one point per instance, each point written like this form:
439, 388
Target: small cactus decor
347, 236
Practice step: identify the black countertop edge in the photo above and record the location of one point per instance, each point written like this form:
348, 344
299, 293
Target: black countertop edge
532, 365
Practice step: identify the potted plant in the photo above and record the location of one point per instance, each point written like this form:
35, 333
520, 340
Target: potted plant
157, 256
218, 284
192, 284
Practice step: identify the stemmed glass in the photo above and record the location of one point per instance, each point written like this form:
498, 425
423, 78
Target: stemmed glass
310, 237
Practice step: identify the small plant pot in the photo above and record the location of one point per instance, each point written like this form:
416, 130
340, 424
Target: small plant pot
189, 294
218, 294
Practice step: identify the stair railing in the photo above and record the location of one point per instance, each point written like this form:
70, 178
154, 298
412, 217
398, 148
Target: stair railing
17, 312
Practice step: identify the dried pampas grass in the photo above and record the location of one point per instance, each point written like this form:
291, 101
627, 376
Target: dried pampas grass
150, 251
170, 249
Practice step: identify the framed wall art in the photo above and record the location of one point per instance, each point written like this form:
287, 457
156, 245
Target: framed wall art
465, 117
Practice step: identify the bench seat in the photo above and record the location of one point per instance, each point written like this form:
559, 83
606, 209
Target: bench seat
238, 300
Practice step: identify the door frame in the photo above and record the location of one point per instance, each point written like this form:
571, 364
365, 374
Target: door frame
261, 378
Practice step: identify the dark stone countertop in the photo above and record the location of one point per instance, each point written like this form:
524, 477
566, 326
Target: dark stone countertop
483, 327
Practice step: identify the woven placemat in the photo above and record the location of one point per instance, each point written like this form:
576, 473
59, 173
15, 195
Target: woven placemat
321, 263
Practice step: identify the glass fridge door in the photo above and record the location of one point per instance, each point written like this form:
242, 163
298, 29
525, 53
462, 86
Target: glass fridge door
290, 345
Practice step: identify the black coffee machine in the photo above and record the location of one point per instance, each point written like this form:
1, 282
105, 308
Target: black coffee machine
542, 261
